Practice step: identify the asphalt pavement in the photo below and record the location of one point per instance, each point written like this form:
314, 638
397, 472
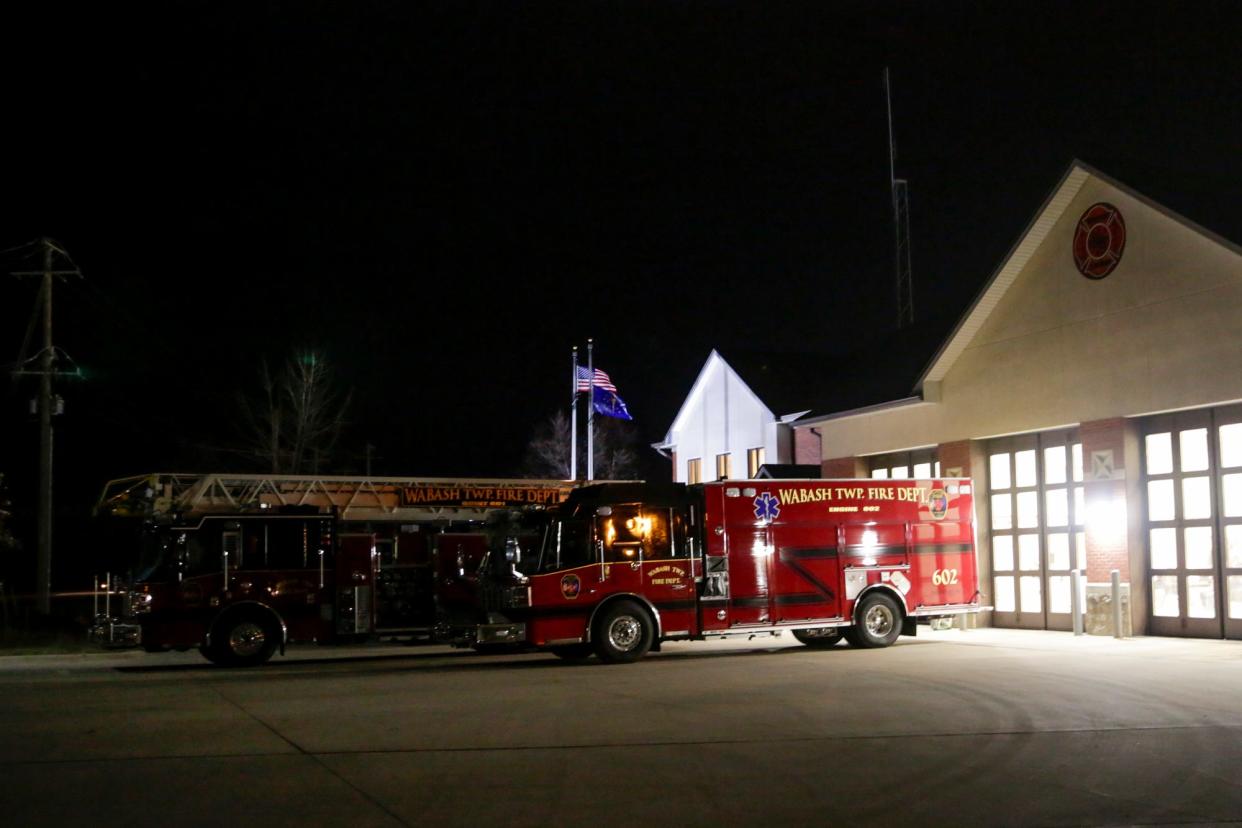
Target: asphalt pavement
976, 727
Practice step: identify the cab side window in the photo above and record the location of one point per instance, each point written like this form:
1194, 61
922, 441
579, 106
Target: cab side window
621, 534
632, 533
289, 544
658, 541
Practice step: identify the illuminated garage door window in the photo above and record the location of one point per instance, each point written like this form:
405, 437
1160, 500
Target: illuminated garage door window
1192, 469
1038, 538
905, 465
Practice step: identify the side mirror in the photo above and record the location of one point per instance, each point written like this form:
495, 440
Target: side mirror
513, 551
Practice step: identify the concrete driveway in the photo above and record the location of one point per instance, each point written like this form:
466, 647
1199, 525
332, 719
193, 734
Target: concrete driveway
982, 727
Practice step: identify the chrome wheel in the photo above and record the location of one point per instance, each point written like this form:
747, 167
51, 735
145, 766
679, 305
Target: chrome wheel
879, 620
247, 639
625, 632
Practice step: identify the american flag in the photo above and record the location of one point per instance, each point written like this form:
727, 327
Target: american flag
601, 380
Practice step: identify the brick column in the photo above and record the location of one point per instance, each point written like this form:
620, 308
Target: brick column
807, 446
1104, 460
843, 467
954, 458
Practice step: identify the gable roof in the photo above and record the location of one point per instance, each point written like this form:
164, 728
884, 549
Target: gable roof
1029, 241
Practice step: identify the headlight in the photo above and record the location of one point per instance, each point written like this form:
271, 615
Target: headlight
517, 596
139, 603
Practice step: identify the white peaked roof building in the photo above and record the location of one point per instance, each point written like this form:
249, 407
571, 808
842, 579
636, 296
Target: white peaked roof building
1092, 391
725, 429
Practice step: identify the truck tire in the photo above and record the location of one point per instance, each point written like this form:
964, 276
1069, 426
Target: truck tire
572, 652
878, 622
623, 633
242, 639
819, 639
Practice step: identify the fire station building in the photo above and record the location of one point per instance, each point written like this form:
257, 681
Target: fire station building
1092, 391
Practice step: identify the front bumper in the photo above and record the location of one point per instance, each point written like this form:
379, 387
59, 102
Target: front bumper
114, 634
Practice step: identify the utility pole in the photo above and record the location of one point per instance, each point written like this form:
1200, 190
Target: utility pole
46, 403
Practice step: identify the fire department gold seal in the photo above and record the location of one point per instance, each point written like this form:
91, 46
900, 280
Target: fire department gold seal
938, 503
571, 586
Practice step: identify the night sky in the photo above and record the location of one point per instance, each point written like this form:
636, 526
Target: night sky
444, 198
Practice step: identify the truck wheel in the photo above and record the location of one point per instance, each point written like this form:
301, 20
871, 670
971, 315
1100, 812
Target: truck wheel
242, 640
572, 652
819, 639
878, 622
623, 633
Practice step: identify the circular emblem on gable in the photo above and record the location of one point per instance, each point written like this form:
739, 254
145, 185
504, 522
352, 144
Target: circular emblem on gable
1099, 240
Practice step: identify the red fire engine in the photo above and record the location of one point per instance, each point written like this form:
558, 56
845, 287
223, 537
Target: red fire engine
240, 565
619, 568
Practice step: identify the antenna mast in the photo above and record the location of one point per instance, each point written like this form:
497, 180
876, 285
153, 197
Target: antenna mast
901, 223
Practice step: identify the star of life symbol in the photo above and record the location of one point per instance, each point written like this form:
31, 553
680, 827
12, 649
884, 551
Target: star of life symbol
767, 507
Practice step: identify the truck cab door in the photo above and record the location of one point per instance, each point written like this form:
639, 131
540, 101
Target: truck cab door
619, 538
668, 578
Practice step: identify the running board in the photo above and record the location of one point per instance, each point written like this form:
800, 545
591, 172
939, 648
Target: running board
947, 609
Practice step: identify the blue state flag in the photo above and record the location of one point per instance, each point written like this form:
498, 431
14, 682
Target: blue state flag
609, 404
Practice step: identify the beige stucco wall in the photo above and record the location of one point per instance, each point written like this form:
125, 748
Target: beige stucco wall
1162, 331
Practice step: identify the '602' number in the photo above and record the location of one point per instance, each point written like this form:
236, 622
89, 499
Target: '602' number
944, 577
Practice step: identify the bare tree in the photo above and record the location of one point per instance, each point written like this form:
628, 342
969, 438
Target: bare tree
547, 453
294, 423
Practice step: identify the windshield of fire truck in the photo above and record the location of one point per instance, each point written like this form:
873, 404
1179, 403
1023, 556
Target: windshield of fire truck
154, 554
566, 544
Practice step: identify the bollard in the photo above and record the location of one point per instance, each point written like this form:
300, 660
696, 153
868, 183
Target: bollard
1116, 577
1076, 600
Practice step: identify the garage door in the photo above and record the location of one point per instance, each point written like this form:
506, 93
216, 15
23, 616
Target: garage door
1192, 468
1037, 532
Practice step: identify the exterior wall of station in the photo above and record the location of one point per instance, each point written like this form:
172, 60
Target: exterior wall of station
1063, 353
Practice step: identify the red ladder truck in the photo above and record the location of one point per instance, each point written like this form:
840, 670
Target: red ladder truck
240, 565
619, 568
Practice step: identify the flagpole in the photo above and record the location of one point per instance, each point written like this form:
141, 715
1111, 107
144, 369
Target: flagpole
591, 411
573, 421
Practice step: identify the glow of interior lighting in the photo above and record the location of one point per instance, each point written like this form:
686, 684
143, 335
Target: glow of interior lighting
639, 526
1106, 519
610, 532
